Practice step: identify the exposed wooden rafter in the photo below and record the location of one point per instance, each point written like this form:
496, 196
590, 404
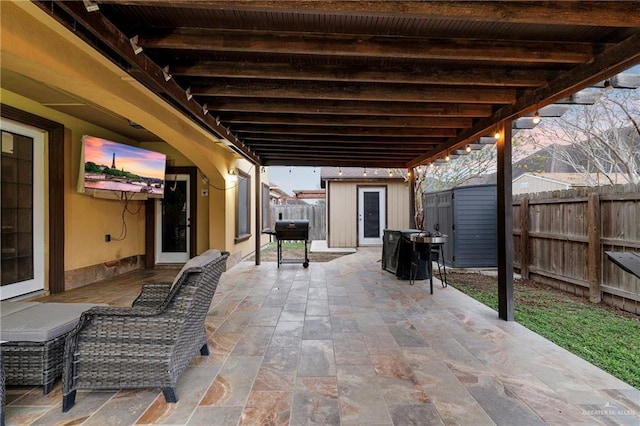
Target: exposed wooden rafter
362, 83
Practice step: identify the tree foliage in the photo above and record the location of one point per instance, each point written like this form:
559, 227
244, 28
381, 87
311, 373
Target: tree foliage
600, 141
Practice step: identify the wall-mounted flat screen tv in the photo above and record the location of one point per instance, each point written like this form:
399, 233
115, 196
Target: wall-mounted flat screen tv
113, 170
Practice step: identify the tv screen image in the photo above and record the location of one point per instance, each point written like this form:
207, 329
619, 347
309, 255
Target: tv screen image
109, 167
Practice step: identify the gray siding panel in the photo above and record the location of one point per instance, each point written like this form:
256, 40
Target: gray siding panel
468, 216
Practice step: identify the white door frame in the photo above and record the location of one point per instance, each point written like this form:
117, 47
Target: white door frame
173, 257
37, 283
382, 197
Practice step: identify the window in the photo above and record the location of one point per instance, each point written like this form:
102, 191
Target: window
243, 208
266, 208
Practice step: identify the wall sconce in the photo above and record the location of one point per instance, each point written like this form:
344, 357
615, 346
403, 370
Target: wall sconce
231, 175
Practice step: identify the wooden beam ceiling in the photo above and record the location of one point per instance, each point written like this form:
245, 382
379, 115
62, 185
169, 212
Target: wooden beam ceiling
358, 82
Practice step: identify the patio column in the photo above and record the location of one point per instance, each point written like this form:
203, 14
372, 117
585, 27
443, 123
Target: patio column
258, 203
505, 224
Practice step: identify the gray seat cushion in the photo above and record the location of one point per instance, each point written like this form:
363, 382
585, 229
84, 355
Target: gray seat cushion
8, 307
42, 322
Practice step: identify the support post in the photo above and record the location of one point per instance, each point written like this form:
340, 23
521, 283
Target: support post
505, 225
594, 231
525, 251
258, 210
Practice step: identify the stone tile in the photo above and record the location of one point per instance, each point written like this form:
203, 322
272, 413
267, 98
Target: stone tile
124, 408
399, 384
220, 346
380, 342
317, 307
278, 370
454, 402
21, 415
360, 396
266, 317
405, 334
316, 359
87, 403
233, 383
343, 324
349, 348
254, 341
501, 404
315, 402
216, 416
316, 328
297, 296
288, 334
267, 408
421, 414
318, 293
236, 322
191, 387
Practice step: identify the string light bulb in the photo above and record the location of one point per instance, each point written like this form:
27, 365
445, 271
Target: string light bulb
496, 136
447, 157
339, 171
364, 173
390, 173
536, 117
467, 148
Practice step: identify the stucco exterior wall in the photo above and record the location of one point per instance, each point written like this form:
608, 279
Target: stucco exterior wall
37, 47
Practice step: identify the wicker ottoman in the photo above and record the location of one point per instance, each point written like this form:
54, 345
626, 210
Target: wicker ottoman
35, 337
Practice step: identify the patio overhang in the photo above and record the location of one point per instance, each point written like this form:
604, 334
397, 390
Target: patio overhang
391, 84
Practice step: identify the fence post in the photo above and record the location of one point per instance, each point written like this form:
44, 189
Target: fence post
524, 239
594, 231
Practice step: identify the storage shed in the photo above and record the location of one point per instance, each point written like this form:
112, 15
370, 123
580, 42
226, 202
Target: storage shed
468, 215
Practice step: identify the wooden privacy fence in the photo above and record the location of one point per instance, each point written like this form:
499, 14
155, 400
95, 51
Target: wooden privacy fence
315, 213
560, 238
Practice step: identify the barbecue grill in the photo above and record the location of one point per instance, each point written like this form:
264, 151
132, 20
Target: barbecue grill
292, 230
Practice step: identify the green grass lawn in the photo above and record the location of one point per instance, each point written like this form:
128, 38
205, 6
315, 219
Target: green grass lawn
603, 336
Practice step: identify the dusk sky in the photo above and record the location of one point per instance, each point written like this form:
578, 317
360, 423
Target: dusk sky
135, 160
298, 178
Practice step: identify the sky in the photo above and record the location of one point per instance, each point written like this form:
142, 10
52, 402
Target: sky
298, 178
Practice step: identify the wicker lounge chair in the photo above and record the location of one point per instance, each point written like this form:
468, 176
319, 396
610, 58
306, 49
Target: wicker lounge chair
149, 344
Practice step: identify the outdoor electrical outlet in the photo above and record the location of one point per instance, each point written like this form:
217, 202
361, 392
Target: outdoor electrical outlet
107, 238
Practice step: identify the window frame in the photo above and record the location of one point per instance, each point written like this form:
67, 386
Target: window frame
243, 179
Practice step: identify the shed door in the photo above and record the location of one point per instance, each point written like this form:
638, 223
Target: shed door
371, 215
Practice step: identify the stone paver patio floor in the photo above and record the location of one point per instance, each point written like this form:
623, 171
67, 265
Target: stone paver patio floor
345, 343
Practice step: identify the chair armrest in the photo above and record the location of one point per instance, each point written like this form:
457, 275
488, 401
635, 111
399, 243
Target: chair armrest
152, 295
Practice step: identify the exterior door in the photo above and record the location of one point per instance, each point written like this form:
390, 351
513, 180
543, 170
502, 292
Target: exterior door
371, 215
22, 210
173, 221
